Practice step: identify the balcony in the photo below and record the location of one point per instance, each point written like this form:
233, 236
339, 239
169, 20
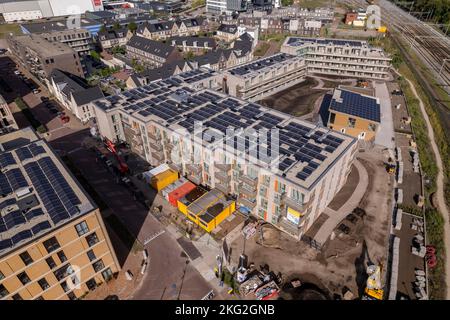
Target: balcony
153, 137
195, 179
156, 146
194, 168
249, 192
222, 176
246, 202
159, 156
288, 227
175, 167
224, 187
293, 204
222, 166
252, 182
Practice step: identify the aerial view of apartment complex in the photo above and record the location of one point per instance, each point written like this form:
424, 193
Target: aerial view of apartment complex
224, 150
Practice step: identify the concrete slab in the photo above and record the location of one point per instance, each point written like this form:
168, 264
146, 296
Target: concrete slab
385, 134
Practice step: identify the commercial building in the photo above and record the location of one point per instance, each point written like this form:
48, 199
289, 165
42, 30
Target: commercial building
73, 93
41, 57
151, 52
264, 77
13, 10
216, 6
286, 176
62, 24
346, 58
7, 122
53, 242
354, 113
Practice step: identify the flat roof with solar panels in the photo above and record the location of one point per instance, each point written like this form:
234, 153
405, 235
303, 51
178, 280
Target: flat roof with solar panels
262, 65
356, 104
38, 194
305, 152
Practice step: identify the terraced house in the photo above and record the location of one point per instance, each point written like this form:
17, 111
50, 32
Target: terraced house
150, 52
286, 176
352, 58
166, 29
53, 242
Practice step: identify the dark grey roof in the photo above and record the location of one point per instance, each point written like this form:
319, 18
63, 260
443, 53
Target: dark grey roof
56, 25
166, 71
102, 14
112, 34
154, 47
88, 95
228, 28
356, 104
243, 45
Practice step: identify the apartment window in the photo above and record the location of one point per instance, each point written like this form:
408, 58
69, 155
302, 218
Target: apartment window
26, 258
372, 127
72, 296
64, 286
91, 284
332, 117
39, 298
62, 257
2, 276
82, 228
98, 265
52, 60
92, 239
91, 255
4, 292
351, 122
51, 263
63, 272
17, 297
44, 284
107, 274
51, 244
23, 277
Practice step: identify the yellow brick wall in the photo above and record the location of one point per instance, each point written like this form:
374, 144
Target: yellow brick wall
361, 125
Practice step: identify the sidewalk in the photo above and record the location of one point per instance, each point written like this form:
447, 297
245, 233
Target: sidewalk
385, 134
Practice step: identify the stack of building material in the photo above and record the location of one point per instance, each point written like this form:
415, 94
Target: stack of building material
415, 161
399, 196
400, 172
267, 291
398, 219
394, 268
418, 248
250, 285
398, 153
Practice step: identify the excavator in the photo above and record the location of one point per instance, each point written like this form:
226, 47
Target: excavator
374, 289
123, 167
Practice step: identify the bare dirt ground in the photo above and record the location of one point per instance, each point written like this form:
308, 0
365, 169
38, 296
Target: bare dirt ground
297, 100
343, 260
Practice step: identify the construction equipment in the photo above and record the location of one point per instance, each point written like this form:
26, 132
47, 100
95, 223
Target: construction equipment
123, 167
390, 167
374, 290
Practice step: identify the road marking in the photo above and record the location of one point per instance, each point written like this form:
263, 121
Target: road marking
75, 150
153, 237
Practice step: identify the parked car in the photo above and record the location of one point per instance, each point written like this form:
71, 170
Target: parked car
36, 91
17, 72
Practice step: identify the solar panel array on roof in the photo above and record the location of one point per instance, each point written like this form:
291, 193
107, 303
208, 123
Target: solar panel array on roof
6, 159
356, 104
260, 64
295, 41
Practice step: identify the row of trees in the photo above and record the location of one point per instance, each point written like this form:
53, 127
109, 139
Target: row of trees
439, 10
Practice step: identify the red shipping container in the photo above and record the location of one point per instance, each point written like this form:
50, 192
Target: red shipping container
180, 192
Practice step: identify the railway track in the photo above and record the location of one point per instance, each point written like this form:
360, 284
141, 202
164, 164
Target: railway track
432, 46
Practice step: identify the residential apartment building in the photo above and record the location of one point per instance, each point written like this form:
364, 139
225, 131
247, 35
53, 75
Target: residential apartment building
354, 113
41, 57
227, 32
53, 242
264, 77
346, 58
193, 44
151, 52
73, 93
7, 121
216, 6
158, 30
286, 178
278, 25
111, 37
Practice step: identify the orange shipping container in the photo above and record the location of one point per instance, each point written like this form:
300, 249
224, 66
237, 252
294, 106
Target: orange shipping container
180, 192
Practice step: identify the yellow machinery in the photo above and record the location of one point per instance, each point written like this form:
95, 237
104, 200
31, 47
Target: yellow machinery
374, 290
382, 29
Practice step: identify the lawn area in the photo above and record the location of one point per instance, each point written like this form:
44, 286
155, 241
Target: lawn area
311, 4
261, 49
5, 29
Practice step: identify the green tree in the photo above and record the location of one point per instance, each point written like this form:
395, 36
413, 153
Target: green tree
103, 28
116, 26
132, 26
95, 55
286, 3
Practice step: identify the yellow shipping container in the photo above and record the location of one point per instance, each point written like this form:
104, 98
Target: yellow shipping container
213, 223
382, 29
163, 179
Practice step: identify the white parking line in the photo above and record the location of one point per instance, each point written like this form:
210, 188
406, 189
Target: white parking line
153, 237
